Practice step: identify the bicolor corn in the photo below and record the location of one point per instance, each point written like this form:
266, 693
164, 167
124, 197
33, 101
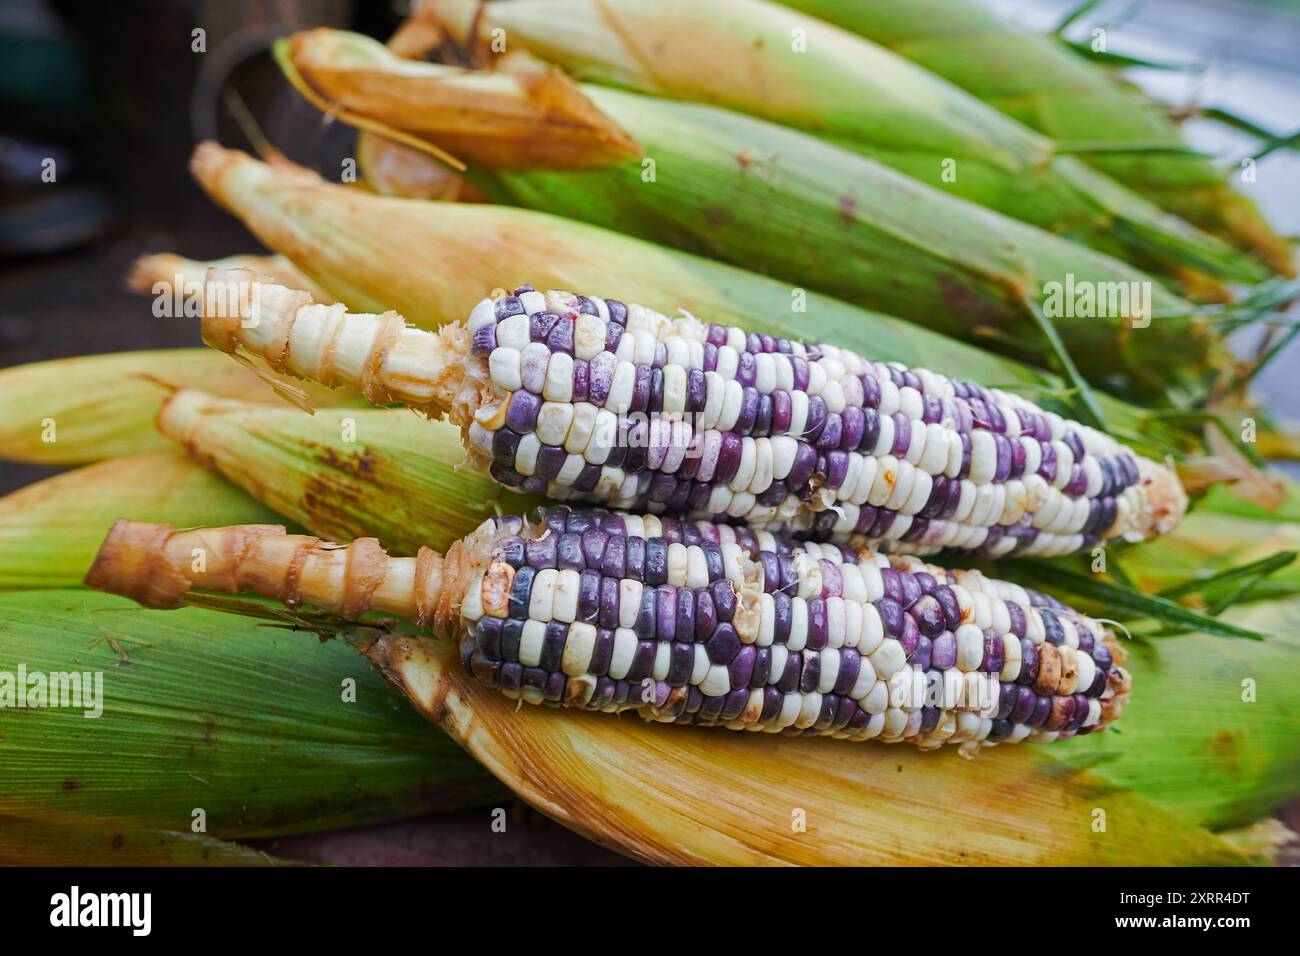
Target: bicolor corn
579, 397
686, 622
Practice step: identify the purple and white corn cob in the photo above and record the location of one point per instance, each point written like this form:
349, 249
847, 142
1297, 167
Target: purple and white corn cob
692, 622
577, 397
687, 622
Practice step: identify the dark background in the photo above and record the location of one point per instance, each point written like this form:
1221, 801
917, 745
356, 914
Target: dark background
113, 92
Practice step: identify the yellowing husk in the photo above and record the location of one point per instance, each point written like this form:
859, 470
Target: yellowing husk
79, 410
341, 473
690, 796
50, 530
262, 729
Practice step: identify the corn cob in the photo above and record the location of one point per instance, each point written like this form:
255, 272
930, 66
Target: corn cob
754, 194
1049, 88
685, 622
578, 396
763, 59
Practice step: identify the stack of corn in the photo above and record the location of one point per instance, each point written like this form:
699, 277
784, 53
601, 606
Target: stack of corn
778, 471
1046, 86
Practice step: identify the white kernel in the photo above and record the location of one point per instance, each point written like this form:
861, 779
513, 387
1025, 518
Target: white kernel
531, 639
888, 658
504, 369
852, 623
559, 379
604, 436
983, 456
798, 625
829, 671
512, 333
588, 337
629, 601
1064, 463
580, 428
728, 362
526, 454
674, 390
871, 580
579, 645
663, 660
889, 398
715, 390
732, 398
678, 564
553, 420
620, 662
471, 608
922, 485
876, 700
865, 682
798, 413
700, 666
1011, 658
716, 682
620, 389
569, 471
955, 453
885, 441
836, 622
783, 454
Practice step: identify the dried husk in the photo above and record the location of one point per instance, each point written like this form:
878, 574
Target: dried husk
679, 795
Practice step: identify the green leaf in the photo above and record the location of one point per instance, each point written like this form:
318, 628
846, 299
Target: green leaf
1122, 600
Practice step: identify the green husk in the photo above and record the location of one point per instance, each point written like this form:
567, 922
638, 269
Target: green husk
1190, 742
759, 195
50, 530
102, 406
432, 261
202, 710
401, 478
1081, 105
772, 62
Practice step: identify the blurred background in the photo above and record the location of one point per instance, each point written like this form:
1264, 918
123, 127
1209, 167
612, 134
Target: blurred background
117, 94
